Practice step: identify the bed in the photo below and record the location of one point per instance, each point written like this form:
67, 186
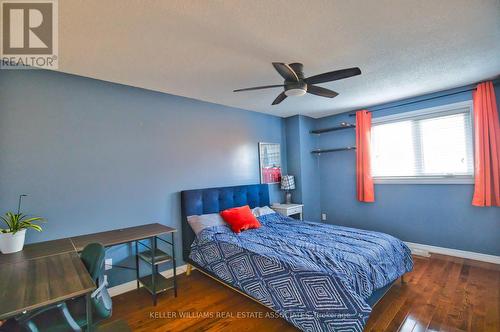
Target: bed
319, 277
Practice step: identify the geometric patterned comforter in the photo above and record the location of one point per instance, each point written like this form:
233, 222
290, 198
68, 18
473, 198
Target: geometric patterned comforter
316, 276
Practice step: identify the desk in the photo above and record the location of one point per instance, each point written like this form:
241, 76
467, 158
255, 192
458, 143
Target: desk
39, 250
120, 236
50, 272
35, 283
154, 283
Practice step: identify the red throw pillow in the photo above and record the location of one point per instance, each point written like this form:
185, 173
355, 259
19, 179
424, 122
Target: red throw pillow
240, 218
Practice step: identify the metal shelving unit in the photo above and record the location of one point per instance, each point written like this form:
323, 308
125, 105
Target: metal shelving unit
156, 283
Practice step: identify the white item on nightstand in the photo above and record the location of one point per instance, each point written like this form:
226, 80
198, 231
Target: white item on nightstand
288, 209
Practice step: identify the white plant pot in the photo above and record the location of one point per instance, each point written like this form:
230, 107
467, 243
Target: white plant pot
10, 243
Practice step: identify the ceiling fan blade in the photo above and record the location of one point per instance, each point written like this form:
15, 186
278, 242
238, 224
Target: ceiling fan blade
319, 91
333, 75
279, 99
286, 71
260, 87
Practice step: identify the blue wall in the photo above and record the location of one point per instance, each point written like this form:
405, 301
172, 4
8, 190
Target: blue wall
304, 166
95, 156
439, 215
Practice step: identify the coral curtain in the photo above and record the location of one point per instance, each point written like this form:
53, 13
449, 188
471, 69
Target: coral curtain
487, 147
364, 181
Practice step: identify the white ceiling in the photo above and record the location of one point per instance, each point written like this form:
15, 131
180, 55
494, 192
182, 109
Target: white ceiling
205, 49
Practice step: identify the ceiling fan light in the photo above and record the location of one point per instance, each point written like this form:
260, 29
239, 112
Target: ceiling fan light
295, 92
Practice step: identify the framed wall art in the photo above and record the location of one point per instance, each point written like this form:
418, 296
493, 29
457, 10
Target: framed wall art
270, 162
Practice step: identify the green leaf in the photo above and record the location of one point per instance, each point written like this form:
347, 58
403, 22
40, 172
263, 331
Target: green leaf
30, 220
35, 227
7, 221
4, 220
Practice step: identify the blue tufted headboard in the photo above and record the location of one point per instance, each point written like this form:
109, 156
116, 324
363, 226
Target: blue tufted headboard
214, 200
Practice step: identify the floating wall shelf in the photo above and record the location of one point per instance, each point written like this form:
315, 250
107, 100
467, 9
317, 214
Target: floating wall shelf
326, 130
333, 150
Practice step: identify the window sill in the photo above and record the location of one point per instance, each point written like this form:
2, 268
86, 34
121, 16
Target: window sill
425, 180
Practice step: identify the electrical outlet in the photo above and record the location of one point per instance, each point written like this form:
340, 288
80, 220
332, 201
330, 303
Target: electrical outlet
323, 216
108, 264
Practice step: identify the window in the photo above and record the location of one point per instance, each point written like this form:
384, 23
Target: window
425, 146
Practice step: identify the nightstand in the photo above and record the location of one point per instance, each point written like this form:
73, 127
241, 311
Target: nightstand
288, 209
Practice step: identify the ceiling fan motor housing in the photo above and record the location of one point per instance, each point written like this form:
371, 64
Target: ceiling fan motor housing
295, 88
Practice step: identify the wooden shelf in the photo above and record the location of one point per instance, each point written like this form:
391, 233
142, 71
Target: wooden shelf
160, 257
326, 130
162, 284
333, 150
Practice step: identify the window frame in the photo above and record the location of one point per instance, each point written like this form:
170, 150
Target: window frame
448, 109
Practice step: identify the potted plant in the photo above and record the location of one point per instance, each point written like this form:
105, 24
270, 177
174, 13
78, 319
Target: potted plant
12, 237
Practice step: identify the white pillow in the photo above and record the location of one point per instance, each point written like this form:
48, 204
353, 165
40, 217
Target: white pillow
262, 211
200, 222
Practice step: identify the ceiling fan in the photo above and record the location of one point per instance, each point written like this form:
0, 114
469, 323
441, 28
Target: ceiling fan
296, 85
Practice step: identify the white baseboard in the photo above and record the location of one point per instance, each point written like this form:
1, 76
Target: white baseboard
131, 285
425, 250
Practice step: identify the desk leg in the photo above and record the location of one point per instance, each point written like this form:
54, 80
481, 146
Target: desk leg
153, 268
137, 263
174, 265
157, 269
88, 308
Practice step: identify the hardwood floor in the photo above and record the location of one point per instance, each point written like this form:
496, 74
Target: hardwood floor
441, 294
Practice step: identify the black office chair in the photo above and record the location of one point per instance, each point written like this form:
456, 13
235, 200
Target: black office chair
71, 315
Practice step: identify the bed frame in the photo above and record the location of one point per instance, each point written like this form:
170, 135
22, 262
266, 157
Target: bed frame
214, 200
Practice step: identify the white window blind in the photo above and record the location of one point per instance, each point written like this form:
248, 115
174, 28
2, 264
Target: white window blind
432, 144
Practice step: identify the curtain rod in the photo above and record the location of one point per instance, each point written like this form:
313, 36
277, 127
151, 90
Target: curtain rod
376, 109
